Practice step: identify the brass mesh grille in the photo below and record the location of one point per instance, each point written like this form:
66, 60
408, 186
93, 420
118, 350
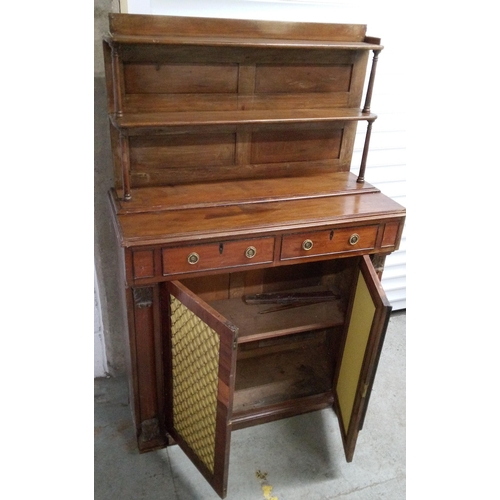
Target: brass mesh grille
195, 365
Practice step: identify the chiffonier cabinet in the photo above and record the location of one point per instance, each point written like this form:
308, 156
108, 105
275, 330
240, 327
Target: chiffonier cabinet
251, 254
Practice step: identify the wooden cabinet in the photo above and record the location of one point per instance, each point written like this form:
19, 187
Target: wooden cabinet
247, 242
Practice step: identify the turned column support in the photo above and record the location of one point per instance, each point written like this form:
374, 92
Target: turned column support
371, 81
125, 160
116, 67
362, 168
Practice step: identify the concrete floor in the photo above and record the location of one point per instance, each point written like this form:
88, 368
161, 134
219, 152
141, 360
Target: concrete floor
292, 459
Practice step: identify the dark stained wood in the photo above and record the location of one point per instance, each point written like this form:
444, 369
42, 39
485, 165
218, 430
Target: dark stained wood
271, 378
232, 144
295, 145
144, 321
364, 157
253, 325
279, 78
164, 198
237, 117
369, 91
285, 409
252, 219
181, 78
144, 264
160, 26
328, 242
181, 150
391, 232
220, 255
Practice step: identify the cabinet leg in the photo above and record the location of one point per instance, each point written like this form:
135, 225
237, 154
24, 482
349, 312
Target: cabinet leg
147, 377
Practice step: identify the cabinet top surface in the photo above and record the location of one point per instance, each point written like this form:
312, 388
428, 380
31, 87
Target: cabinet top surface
246, 208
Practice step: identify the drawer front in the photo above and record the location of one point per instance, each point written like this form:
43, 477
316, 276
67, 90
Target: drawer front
194, 258
314, 243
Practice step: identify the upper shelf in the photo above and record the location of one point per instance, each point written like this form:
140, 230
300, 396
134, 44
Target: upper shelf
203, 99
242, 42
238, 117
179, 30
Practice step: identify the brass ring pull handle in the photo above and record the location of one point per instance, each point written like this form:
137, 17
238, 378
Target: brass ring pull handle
307, 244
353, 239
193, 258
250, 252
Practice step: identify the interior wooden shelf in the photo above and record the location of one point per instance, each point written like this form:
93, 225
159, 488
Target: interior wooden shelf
255, 324
242, 191
237, 117
274, 378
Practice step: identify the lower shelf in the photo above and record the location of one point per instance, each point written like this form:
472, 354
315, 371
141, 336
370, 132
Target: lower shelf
285, 409
283, 377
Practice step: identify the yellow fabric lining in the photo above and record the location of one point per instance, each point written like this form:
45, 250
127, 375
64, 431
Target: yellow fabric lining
352, 360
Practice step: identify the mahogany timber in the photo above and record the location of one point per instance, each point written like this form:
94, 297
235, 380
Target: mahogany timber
232, 143
252, 219
156, 28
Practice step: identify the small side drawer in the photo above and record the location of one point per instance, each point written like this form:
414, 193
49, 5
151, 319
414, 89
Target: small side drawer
193, 258
315, 243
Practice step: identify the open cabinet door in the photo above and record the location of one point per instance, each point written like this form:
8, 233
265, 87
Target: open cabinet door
367, 319
200, 383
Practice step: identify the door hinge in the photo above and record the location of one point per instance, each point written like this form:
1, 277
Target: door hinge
365, 391
143, 297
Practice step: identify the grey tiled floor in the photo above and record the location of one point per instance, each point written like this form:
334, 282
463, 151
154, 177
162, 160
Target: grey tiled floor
292, 459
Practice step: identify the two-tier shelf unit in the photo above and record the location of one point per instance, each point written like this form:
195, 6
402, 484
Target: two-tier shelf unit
251, 255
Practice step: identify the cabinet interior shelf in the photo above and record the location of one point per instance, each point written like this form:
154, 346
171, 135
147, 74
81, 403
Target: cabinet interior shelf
281, 375
254, 323
237, 117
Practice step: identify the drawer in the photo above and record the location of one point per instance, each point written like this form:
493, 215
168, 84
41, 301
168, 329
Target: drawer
315, 243
220, 255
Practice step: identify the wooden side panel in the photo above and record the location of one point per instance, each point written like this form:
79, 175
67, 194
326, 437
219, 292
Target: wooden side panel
182, 150
263, 150
295, 144
143, 263
180, 78
270, 78
390, 236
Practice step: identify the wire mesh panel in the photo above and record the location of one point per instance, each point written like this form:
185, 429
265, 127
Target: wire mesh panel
195, 364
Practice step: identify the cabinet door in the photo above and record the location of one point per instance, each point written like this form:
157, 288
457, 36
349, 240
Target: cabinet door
200, 383
367, 319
